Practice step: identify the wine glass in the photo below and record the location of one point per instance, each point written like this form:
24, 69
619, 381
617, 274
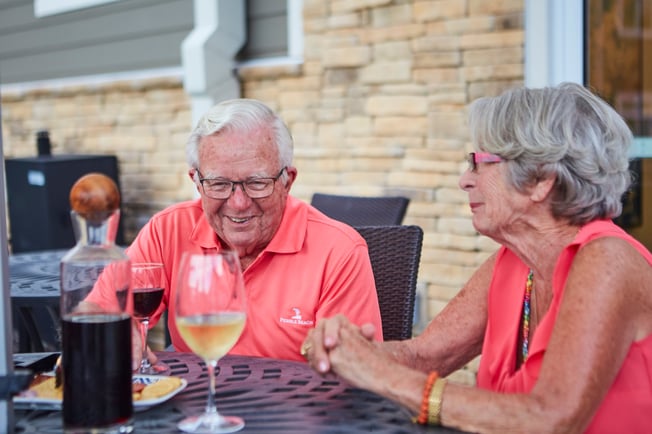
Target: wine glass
147, 290
210, 312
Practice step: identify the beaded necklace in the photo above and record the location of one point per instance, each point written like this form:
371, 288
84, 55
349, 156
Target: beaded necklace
526, 315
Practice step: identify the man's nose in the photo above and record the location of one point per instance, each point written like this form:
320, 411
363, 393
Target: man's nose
239, 196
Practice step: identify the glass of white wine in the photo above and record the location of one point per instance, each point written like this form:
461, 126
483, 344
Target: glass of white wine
210, 312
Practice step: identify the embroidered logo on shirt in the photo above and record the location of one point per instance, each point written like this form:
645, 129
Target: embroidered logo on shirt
295, 317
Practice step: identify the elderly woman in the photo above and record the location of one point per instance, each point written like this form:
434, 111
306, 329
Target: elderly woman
561, 313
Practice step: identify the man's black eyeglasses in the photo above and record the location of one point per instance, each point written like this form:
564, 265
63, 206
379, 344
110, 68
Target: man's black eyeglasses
255, 188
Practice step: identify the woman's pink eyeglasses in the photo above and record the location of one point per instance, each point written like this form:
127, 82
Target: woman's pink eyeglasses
481, 157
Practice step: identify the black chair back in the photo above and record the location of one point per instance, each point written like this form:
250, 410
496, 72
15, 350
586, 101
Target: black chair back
362, 211
395, 253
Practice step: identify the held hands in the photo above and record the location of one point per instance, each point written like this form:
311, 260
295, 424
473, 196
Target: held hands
336, 345
329, 334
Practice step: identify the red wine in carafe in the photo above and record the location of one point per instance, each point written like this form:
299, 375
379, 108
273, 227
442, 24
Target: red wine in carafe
95, 360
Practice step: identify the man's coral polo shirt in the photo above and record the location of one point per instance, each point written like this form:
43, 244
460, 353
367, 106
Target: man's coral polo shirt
314, 267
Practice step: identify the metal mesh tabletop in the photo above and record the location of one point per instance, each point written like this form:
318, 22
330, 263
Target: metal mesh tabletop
271, 395
35, 293
35, 276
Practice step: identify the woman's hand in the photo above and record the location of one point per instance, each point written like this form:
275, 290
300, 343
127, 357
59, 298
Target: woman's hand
358, 359
326, 336
338, 346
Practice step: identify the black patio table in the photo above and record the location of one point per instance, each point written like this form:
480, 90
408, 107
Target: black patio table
34, 281
272, 396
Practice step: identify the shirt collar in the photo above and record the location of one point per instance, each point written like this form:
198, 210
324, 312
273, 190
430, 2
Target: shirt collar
289, 237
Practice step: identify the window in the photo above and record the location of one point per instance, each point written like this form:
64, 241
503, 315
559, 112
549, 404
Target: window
43, 8
274, 32
607, 45
618, 65
619, 58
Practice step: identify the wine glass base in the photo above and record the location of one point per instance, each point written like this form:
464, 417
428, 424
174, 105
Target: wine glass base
211, 424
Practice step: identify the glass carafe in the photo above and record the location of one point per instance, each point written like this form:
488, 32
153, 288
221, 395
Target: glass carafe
96, 328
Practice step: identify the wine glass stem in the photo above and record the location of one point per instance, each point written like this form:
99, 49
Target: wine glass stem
211, 407
144, 326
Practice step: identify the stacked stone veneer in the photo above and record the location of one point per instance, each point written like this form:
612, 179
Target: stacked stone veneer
376, 108
145, 124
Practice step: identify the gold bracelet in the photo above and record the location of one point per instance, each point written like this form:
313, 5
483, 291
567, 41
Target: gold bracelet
434, 402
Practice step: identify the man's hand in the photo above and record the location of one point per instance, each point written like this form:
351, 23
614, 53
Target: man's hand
326, 336
137, 347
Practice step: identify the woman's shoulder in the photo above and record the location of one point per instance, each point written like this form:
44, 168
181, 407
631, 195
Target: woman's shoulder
608, 239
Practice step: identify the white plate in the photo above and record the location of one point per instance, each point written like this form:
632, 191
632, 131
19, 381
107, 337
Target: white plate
143, 404
26, 402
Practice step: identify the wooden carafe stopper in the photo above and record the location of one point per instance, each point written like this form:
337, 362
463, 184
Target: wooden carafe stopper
95, 197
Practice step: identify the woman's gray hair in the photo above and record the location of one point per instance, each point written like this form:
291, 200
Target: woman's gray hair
240, 115
563, 131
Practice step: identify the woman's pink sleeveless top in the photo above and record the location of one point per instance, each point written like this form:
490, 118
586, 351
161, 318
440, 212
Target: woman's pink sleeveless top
627, 408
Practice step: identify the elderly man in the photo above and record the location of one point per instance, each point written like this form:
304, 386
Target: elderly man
299, 265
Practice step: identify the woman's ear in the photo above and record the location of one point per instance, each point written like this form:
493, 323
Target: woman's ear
542, 189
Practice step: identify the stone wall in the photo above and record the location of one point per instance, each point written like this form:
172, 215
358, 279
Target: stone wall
377, 108
144, 124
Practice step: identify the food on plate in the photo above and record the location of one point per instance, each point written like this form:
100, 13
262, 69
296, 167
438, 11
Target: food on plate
44, 386
161, 388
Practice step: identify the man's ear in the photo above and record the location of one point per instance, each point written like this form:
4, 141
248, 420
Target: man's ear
292, 176
192, 176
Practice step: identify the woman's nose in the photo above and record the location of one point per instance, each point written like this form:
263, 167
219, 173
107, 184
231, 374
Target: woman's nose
466, 180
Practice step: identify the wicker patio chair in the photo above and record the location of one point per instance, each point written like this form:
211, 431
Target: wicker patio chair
395, 253
362, 211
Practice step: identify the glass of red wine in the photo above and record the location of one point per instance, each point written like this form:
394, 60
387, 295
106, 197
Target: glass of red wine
147, 290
